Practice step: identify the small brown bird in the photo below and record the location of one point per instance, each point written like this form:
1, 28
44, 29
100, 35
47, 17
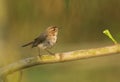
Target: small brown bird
46, 39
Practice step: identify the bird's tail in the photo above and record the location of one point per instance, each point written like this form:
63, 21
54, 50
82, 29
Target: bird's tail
27, 44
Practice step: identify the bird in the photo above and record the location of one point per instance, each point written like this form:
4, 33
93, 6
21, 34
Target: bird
45, 40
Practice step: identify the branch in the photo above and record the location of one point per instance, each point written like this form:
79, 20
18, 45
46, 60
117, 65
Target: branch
58, 58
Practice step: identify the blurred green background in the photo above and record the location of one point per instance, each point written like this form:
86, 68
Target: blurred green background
80, 23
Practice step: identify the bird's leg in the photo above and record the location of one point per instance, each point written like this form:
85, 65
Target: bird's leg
39, 53
49, 52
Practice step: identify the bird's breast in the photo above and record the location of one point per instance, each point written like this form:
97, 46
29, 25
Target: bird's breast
52, 40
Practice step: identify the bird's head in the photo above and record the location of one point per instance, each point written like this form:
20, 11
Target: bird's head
52, 30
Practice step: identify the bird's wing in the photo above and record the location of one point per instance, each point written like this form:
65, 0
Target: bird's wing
39, 40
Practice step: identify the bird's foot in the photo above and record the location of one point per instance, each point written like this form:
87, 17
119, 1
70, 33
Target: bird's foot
40, 56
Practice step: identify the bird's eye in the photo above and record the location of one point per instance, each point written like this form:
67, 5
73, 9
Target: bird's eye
53, 29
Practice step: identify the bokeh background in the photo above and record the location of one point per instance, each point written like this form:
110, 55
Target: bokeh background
80, 23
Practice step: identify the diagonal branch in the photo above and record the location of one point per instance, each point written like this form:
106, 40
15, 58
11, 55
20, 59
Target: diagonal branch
58, 58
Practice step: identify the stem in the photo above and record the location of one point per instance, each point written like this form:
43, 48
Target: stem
66, 57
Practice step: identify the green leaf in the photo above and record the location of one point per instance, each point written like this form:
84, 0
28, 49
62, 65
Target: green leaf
107, 32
